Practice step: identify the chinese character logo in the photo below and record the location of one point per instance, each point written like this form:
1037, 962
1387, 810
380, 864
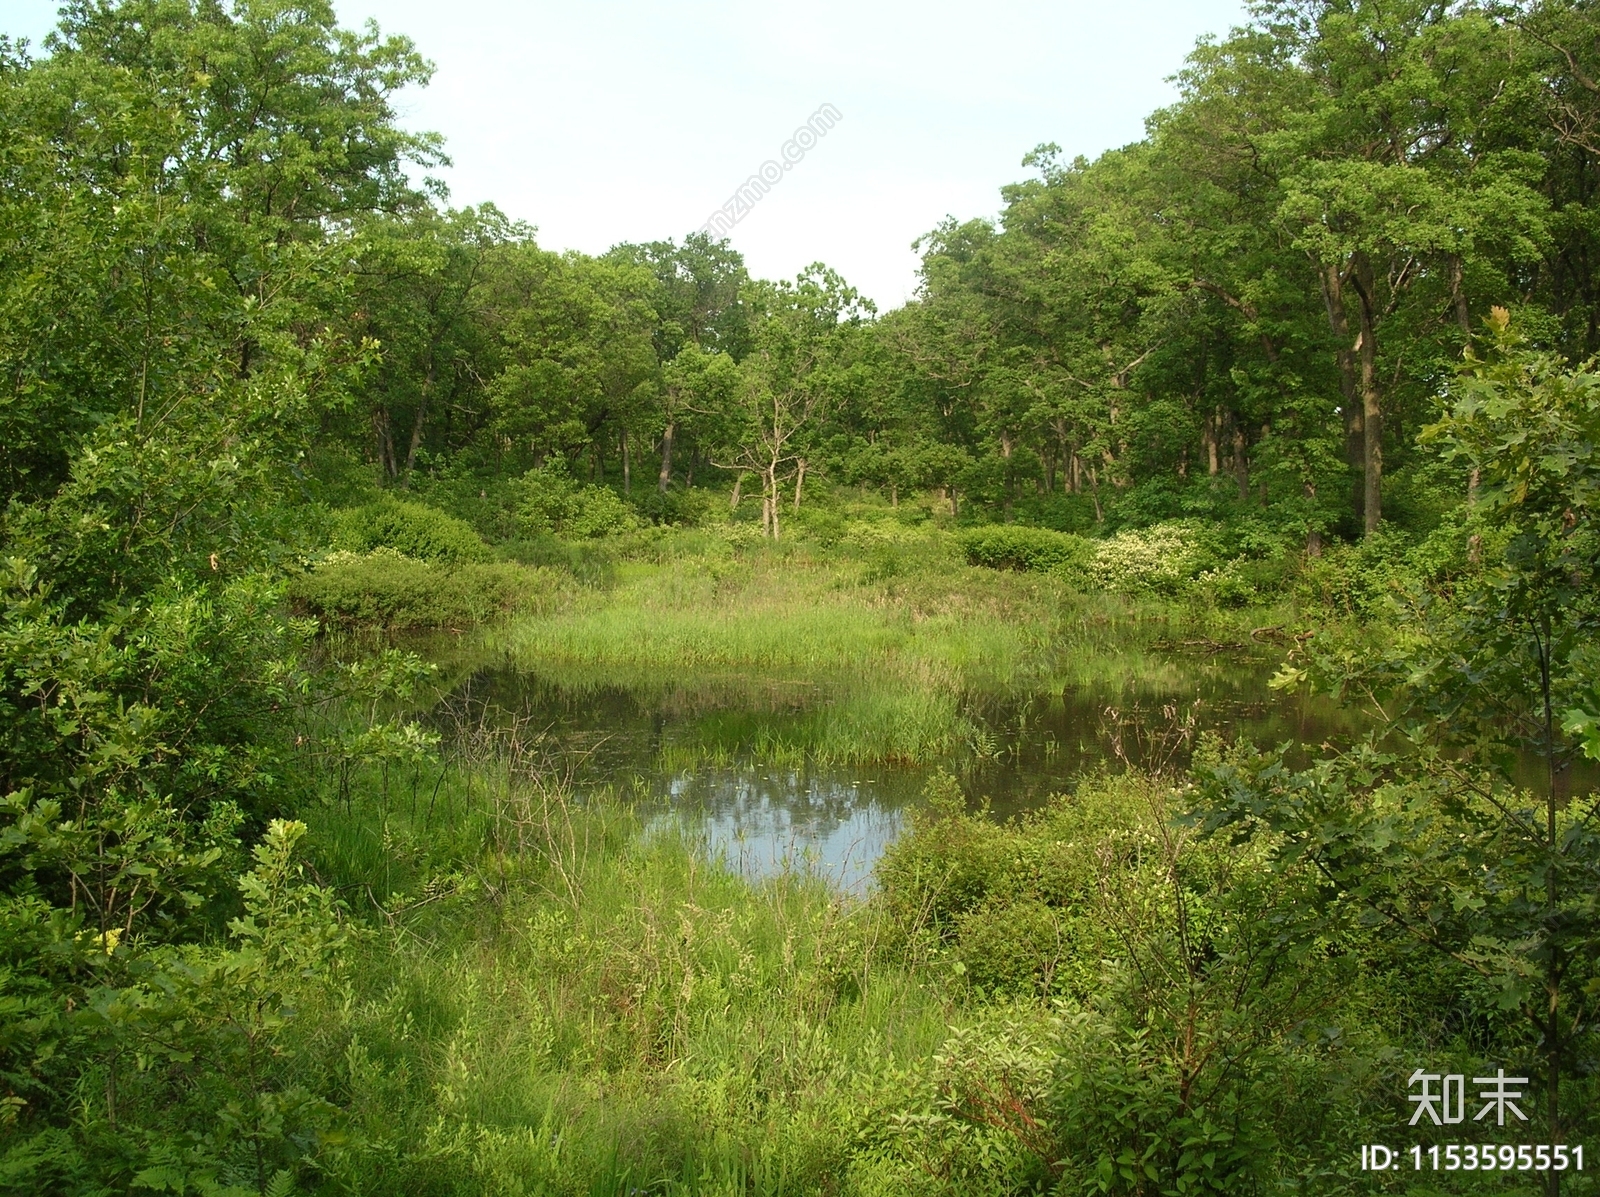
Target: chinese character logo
1500, 1096
1448, 1104
1429, 1102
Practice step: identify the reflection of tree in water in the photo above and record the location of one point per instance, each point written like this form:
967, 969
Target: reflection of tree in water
689, 746
835, 822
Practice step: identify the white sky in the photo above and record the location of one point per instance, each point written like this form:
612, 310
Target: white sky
625, 121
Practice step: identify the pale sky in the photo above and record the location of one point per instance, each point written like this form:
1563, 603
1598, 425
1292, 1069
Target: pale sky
627, 121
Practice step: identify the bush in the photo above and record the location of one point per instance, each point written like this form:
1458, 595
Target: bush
385, 589
553, 504
411, 529
1181, 974
487, 501
1358, 579
1154, 560
1014, 546
690, 506
589, 562
1242, 580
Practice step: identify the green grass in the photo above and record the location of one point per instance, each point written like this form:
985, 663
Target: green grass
812, 610
810, 653
555, 1002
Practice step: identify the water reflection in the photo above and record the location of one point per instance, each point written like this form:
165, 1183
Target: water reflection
760, 822
698, 751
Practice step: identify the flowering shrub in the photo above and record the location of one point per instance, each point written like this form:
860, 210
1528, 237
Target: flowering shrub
1159, 559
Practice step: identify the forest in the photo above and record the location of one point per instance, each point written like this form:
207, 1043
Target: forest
1183, 616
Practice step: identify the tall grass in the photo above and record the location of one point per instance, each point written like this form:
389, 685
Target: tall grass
877, 669
555, 1001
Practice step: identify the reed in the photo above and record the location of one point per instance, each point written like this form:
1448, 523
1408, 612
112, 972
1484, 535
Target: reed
556, 1001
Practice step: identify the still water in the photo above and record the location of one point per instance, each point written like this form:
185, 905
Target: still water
698, 752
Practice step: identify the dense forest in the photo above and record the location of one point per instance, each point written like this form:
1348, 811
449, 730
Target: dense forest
1308, 370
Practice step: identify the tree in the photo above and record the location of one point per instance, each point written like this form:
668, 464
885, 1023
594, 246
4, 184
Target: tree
784, 382
1372, 128
1445, 843
422, 287
574, 351
178, 181
697, 305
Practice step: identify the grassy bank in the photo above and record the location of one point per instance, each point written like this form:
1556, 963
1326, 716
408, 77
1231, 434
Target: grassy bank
811, 608
543, 998
828, 658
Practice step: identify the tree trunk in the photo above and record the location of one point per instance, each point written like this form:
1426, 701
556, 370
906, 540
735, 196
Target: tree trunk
1210, 435
416, 441
1349, 383
666, 457
416, 426
383, 437
1458, 297
799, 481
627, 474
1371, 408
738, 485
1117, 480
1006, 445
1094, 491
1241, 463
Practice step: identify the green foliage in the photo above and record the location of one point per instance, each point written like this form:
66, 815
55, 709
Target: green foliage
385, 589
188, 1051
1449, 842
224, 309
409, 529
1184, 974
553, 504
1155, 560
1015, 546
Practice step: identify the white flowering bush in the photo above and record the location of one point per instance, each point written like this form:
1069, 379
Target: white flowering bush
1159, 559
1227, 585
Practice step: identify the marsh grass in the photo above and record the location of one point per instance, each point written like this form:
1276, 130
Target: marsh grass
556, 999
809, 654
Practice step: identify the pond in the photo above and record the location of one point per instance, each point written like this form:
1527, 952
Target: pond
736, 759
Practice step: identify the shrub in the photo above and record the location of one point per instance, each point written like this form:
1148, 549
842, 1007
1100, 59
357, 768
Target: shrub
689, 506
385, 589
1014, 546
1231, 584
411, 529
553, 504
1182, 977
487, 501
1358, 579
1158, 559
1011, 946
590, 562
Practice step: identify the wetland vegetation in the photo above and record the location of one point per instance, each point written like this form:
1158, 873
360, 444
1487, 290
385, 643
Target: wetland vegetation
476, 720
